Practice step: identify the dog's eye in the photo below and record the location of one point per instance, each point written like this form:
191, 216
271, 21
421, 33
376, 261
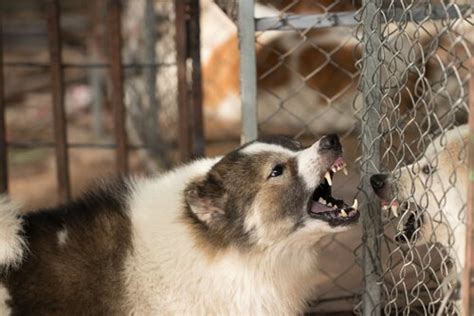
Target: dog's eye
427, 169
277, 171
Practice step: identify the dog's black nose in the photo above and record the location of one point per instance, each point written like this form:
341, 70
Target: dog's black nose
378, 182
330, 142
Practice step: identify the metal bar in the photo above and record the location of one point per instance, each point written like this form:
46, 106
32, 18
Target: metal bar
196, 79
370, 160
248, 70
116, 76
468, 277
298, 22
184, 113
289, 22
59, 115
96, 77
425, 11
3, 145
150, 120
88, 65
42, 144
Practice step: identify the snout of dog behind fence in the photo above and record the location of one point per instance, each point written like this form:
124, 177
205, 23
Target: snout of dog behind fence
379, 182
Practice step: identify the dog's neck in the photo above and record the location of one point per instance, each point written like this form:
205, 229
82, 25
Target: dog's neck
270, 281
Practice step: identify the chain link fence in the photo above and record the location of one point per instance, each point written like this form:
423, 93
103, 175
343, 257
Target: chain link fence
392, 77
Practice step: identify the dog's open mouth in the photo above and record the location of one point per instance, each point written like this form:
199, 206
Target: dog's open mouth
410, 222
324, 206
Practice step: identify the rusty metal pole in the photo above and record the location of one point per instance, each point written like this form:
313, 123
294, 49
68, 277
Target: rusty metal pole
184, 113
3, 136
116, 75
196, 84
57, 84
468, 278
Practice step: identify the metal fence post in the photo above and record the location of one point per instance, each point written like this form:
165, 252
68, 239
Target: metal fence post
372, 97
248, 70
468, 278
184, 112
153, 129
116, 75
196, 80
191, 139
57, 83
3, 140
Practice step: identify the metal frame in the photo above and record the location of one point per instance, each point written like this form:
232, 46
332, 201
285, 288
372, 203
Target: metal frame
116, 74
248, 70
468, 277
3, 143
290, 22
191, 135
371, 78
57, 83
196, 82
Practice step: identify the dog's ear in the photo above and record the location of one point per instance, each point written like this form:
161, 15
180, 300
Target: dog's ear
206, 198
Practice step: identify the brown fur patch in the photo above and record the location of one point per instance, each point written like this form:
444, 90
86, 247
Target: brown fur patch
220, 74
83, 274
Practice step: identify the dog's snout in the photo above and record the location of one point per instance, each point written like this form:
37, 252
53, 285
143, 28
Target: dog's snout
330, 142
378, 182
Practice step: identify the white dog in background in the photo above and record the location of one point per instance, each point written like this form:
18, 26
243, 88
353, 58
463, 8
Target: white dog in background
432, 193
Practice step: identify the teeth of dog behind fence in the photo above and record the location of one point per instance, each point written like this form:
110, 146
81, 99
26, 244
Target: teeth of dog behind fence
355, 205
344, 170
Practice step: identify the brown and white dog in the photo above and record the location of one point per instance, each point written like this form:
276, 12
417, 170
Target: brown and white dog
432, 192
229, 235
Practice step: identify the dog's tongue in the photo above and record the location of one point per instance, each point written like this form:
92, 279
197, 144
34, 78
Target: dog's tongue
317, 207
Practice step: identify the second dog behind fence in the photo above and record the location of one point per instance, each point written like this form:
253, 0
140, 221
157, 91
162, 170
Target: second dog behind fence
431, 196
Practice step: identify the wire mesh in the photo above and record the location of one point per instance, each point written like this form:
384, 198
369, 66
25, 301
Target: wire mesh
395, 85
423, 87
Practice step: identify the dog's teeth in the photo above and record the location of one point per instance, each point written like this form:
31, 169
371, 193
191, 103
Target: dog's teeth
395, 210
334, 169
385, 208
321, 200
355, 205
334, 207
343, 213
344, 170
328, 178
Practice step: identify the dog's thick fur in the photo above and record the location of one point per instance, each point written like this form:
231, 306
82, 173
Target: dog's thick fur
230, 235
